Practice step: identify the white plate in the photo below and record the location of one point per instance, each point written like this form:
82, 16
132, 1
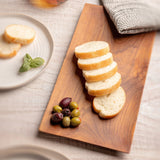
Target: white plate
41, 46
30, 153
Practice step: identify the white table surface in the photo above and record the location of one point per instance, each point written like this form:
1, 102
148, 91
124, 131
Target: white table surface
21, 109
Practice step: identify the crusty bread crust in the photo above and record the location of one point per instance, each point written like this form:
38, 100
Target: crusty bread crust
107, 116
12, 53
11, 39
111, 116
95, 78
97, 53
99, 48
98, 65
106, 91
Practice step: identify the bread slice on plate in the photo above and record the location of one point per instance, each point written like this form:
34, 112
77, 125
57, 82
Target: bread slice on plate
101, 73
110, 105
92, 49
8, 50
16, 33
95, 63
104, 87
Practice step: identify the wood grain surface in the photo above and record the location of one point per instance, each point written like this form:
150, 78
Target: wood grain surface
21, 110
132, 53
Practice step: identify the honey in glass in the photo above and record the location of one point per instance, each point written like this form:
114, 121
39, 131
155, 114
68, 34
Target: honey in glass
47, 3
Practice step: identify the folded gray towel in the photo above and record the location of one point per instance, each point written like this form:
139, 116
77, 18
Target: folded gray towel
134, 16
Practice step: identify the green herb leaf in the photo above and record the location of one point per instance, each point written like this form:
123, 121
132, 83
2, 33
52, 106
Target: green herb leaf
25, 67
29, 63
26, 63
27, 58
37, 62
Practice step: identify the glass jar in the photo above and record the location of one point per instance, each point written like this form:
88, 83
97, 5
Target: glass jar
47, 3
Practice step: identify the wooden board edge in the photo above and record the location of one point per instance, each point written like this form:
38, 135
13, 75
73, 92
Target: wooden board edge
124, 150
153, 33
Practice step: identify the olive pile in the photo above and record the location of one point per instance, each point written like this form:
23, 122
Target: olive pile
67, 113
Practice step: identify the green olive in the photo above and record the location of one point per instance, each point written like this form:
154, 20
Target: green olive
57, 109
66, 122
75, 121
73, 105
75, 113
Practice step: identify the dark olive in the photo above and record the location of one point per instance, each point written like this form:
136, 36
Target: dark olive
66, 112
52, 112
64, 103
75, 121
66, 121
57, 109
73, 105
56, 118
75, 113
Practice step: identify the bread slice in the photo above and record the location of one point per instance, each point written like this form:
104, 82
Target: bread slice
101, 73
104, 87
92, 49
110, 105
8, 50
19, 34
95, 63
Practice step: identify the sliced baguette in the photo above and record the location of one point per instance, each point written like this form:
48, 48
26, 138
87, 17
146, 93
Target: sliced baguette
8, 50
110, 105
104, 87
101, 73
95, 63
19, 34
92, 49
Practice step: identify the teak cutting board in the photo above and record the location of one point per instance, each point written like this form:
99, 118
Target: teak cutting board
132, 53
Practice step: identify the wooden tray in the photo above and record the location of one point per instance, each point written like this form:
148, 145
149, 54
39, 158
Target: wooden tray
132, 53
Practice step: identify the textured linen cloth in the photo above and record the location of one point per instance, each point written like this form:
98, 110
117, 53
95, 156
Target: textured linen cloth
134, 16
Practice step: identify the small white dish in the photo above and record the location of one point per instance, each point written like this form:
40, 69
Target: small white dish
30, 153
42, 46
